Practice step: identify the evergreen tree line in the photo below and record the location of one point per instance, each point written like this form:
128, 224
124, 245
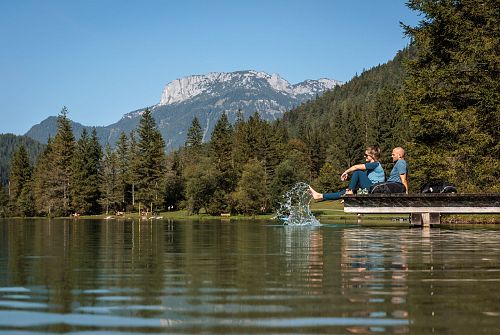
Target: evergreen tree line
9, 143
79, 177
244, 168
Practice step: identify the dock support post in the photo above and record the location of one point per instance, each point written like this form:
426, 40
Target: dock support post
425, 219
431, 219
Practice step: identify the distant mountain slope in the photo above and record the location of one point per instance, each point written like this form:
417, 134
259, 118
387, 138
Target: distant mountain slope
360, 93
207, 97
367, 110
9, 143
48, 128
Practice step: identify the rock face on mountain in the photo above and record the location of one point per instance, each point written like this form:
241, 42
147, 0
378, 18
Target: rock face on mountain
218, 84
207, 97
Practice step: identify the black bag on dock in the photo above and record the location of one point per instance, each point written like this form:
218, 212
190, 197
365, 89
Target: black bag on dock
388, 187
438, 187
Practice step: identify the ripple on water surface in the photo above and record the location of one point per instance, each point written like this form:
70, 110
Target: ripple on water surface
246, 277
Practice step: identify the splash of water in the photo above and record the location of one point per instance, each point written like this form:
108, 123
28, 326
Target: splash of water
294, 208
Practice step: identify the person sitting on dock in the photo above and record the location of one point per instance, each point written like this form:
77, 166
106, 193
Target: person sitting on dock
363, 176
399, 173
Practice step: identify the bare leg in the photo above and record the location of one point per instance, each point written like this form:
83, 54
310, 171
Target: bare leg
315, 195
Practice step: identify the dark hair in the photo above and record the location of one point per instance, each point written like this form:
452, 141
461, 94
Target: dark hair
374, 151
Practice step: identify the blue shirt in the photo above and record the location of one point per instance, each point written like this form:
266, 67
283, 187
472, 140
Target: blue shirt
398, 169
375, 172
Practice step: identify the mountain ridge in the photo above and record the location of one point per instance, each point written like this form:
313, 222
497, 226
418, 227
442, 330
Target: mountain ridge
206, 97
182, 89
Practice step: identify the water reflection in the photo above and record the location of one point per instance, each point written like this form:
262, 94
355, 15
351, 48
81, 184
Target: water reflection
245, 277
374, 276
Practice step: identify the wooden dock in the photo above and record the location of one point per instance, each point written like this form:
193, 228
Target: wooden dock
424, 209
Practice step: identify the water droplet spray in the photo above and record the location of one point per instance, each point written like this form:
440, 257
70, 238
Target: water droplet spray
294, 209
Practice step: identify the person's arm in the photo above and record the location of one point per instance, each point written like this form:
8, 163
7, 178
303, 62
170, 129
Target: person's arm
403, 172
404, 181
352, 169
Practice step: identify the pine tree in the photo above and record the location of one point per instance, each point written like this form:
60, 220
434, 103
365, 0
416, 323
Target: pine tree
241, 152
254, 134
452, 94
280, 139
19, 178
150, 162
174, 184
123, 161
133, 168
195, 134
299, 156
26, 200
45, 195
85, 177
270, 149
201, 184
58, 180
111, 192
220, 144
251, 195
194, 147
220, 152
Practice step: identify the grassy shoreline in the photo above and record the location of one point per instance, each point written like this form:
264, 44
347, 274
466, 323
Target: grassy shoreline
327, 210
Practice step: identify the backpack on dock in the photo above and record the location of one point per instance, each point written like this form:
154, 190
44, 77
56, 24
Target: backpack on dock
438, 187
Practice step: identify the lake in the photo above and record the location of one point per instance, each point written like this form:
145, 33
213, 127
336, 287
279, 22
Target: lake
246, 277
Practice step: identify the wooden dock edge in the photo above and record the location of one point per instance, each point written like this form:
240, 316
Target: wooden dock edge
424, 209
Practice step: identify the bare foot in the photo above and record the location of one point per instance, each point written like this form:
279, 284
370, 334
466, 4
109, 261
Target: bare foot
314, 194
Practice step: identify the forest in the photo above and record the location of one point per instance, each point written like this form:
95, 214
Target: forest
438, 98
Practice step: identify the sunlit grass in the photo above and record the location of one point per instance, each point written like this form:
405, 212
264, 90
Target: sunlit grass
325, 211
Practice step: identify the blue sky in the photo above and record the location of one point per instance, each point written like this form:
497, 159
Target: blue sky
104, 58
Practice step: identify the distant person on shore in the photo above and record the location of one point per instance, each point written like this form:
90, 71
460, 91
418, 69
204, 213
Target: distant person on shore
399, 173
363, 176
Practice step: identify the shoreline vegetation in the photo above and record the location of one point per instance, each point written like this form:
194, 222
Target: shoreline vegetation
328, 212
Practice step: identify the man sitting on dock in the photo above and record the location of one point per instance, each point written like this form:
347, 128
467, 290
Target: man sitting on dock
399, 173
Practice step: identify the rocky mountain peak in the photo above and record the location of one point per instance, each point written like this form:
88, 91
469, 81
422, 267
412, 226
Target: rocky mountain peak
183, 89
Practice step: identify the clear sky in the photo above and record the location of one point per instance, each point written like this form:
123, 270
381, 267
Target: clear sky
104, 58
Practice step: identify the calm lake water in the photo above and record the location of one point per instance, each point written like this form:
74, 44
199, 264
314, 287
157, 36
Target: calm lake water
246, 277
